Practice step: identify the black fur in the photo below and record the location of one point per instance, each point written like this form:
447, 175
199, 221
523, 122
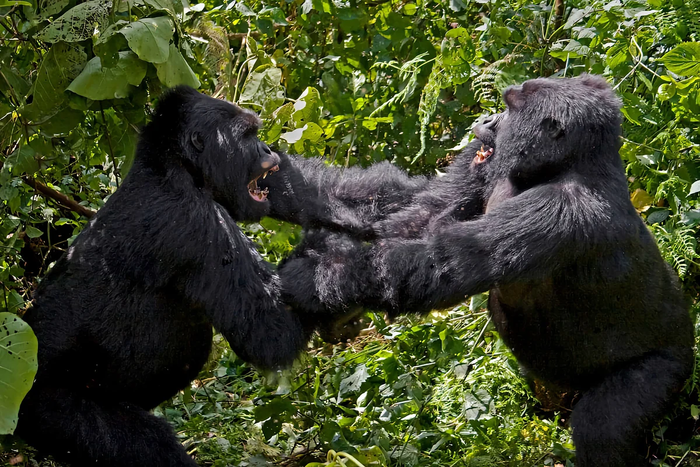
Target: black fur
578, 289
339, 207
124, 319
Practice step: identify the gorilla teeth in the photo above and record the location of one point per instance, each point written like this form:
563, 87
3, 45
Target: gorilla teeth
270, 172
483, 154
255, 192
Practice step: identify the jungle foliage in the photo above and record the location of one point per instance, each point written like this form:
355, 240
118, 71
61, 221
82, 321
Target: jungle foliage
354, 82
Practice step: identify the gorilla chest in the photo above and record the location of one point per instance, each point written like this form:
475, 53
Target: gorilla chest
166, 349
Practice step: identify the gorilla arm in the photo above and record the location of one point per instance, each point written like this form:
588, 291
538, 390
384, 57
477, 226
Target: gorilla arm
349, 200
527, 235
456, 196
239, 292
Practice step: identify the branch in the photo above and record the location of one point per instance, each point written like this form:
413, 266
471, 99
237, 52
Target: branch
558, 13
59, 197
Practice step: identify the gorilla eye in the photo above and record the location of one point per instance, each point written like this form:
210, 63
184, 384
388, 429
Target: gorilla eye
197, 141
552, 128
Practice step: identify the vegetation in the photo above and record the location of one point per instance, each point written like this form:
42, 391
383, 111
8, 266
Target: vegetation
355, 82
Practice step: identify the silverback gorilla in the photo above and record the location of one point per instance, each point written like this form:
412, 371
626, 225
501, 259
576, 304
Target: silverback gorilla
578, 289
124, 319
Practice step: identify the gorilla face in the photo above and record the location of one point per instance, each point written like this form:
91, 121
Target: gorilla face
221, 150
548, 127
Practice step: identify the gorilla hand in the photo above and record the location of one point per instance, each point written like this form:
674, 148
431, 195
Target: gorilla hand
329, 275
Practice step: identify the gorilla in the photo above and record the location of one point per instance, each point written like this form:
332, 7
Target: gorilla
578, 288
124, 319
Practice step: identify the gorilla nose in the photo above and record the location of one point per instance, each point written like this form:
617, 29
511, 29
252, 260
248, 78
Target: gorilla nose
269, 159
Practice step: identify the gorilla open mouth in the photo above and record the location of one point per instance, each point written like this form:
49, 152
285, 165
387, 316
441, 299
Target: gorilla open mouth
254, 191
482, 154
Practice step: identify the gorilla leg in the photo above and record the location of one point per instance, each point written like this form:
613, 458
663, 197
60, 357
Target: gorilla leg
609, 421
86, 432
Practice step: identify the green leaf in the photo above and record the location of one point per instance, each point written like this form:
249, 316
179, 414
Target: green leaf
666, 91
353, 382
33, 232
18, 84
242, 8
263, 85
18, 365
78, 23
695, 187
684, 59
275, 407
176, 71
150, 38
63, 122
274, 413
308, 107
658, 216
61, 65
14, 302
410, 9
22, 161
6, 3
110, 43
49, 8
99, 83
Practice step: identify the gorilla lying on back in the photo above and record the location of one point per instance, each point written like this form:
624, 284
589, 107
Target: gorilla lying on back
578, 289
124, 319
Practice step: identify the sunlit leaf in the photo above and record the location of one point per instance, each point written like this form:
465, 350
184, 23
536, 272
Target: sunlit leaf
684, 59
18, 366
353, 382
98, 83
150, 38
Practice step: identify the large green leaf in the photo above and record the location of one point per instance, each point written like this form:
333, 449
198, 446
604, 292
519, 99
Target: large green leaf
150, 38
18, 365
176, 70
684, 59
78, 23
61, 65
99, 83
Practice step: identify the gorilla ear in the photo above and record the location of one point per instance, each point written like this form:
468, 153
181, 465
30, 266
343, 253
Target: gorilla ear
552, 128
197, 141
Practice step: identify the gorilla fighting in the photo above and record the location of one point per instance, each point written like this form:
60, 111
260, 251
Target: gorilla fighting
578, 288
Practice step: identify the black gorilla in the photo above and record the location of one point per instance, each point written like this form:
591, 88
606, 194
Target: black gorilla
124, 319
579, 290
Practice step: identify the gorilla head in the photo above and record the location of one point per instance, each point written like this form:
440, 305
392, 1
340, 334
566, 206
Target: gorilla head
552, 126
208, 131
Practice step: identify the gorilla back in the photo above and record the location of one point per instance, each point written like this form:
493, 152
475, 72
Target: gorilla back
124, 319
